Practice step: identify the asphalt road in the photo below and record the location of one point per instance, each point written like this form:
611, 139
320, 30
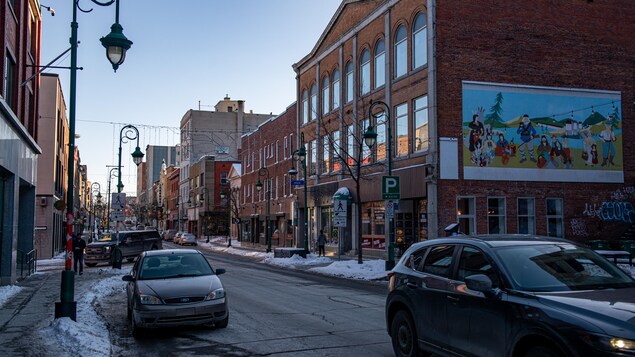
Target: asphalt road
273, 312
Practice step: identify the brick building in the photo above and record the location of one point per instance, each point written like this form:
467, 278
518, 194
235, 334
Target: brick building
268, 150
20, 28
509, 124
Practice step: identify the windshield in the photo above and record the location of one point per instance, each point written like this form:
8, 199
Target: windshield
560, 267
174, 266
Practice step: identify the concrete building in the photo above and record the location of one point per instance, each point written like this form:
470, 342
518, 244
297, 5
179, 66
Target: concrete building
214, 133
268, 150
20, 28
52, 173
156, 156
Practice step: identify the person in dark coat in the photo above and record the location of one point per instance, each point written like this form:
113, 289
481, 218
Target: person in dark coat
320, 241
79, 244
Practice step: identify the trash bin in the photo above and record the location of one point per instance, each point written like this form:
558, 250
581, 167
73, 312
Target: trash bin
599, 244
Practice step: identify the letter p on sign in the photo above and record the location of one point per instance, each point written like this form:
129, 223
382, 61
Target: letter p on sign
390, 188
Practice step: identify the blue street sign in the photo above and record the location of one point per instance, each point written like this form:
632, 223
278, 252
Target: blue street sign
297, 182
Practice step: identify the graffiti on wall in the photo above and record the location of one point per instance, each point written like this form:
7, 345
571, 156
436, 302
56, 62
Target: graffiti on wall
541, 134
578, 227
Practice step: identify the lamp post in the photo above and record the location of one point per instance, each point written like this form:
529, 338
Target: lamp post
95, 186
113, 170
128, 132
300, 155
265, 172
67, 307
370, 138
178, 212
205, 226
223, 195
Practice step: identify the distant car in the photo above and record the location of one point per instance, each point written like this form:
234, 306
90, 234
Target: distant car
131, 244
178, 236
171, 288
187, 239
169, 235
509, 296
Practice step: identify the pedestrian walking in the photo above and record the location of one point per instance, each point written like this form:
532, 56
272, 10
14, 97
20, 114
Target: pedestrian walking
79, 244
320, 242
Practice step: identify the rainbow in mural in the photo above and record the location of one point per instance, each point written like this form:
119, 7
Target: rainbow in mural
528, 133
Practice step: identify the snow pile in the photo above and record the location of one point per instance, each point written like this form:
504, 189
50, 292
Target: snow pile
7, 292
297, 260
368, 270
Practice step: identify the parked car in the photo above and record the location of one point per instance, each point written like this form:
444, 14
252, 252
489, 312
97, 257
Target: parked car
187, 239
131, 244
169, 235
509, 296
166, 284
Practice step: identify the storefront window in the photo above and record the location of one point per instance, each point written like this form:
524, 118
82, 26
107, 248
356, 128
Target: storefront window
326, 221
373, 225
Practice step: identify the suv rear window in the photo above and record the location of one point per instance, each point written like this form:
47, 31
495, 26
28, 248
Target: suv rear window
439, 260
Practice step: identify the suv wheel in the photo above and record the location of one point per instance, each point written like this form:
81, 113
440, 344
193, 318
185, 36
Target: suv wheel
404, 335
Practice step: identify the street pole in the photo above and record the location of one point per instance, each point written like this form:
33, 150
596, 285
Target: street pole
263, 171
300, 155
370, 136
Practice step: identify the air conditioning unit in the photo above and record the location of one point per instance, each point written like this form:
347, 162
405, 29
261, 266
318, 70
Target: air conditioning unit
44, 201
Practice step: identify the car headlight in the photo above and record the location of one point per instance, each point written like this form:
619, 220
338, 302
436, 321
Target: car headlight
216, 294
107, 249
150, 300
608, 343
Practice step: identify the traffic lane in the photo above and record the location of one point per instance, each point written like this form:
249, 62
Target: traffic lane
282, 312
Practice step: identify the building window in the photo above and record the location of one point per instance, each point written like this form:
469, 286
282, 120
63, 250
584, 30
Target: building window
305, 108
326, 154
526, 216
466, 214
381, 136
313, 153
326, 100
286, 145
277, 187
277, 149
496, 215
350, 145
284, 185
314, 105
420, 109
336, 89
380, 64
337, 145
555, 221
401, 51
9, 81
419, 48
290, 145
349, 82
364, 70
401, 118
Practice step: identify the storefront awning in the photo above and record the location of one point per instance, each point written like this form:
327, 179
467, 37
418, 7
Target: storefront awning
342, 194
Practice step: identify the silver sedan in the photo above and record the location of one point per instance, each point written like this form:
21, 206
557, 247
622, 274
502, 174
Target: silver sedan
175, 287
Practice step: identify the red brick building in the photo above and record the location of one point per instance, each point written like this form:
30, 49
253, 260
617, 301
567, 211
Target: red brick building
268, 150
506, 119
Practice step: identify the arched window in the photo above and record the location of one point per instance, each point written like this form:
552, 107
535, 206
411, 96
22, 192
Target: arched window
380, 64
401, 52
326, 100
349, 82
305, 108
314, 104
364, 70
336, 89
419, 48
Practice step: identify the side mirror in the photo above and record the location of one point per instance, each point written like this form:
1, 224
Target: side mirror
220, 271
127, 278
482, 283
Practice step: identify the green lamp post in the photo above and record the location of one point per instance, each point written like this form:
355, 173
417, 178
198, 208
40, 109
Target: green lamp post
300, 155
265, 172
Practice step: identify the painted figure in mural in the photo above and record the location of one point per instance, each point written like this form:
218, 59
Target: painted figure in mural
608, 148
543, 152
476, 135
594, 154
589, 142
509, 151
501, 144
527, 134
566, 154
557, 152
489, 148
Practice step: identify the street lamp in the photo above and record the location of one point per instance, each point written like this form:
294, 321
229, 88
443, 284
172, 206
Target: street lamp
115, 42
206, 227
95, 186
370, 138
178, 209
265, 172
67, 307
113, 172
223, 195
300, 155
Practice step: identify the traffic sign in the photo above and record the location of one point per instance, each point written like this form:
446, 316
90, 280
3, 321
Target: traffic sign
340, 210
118, 201
297, 182
117, 216
390, 188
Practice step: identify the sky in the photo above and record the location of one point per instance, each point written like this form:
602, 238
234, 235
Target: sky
185, 55
86, 336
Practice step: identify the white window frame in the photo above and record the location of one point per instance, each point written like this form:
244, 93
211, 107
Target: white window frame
557, 217
379, 64
470, 217
326, 97
336, 85
364, 73
397, 45
530, 216
501, 216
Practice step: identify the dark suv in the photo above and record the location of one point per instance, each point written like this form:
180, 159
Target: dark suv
509, 296
131, 243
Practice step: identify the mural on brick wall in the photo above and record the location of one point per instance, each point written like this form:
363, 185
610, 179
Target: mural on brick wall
525, 133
